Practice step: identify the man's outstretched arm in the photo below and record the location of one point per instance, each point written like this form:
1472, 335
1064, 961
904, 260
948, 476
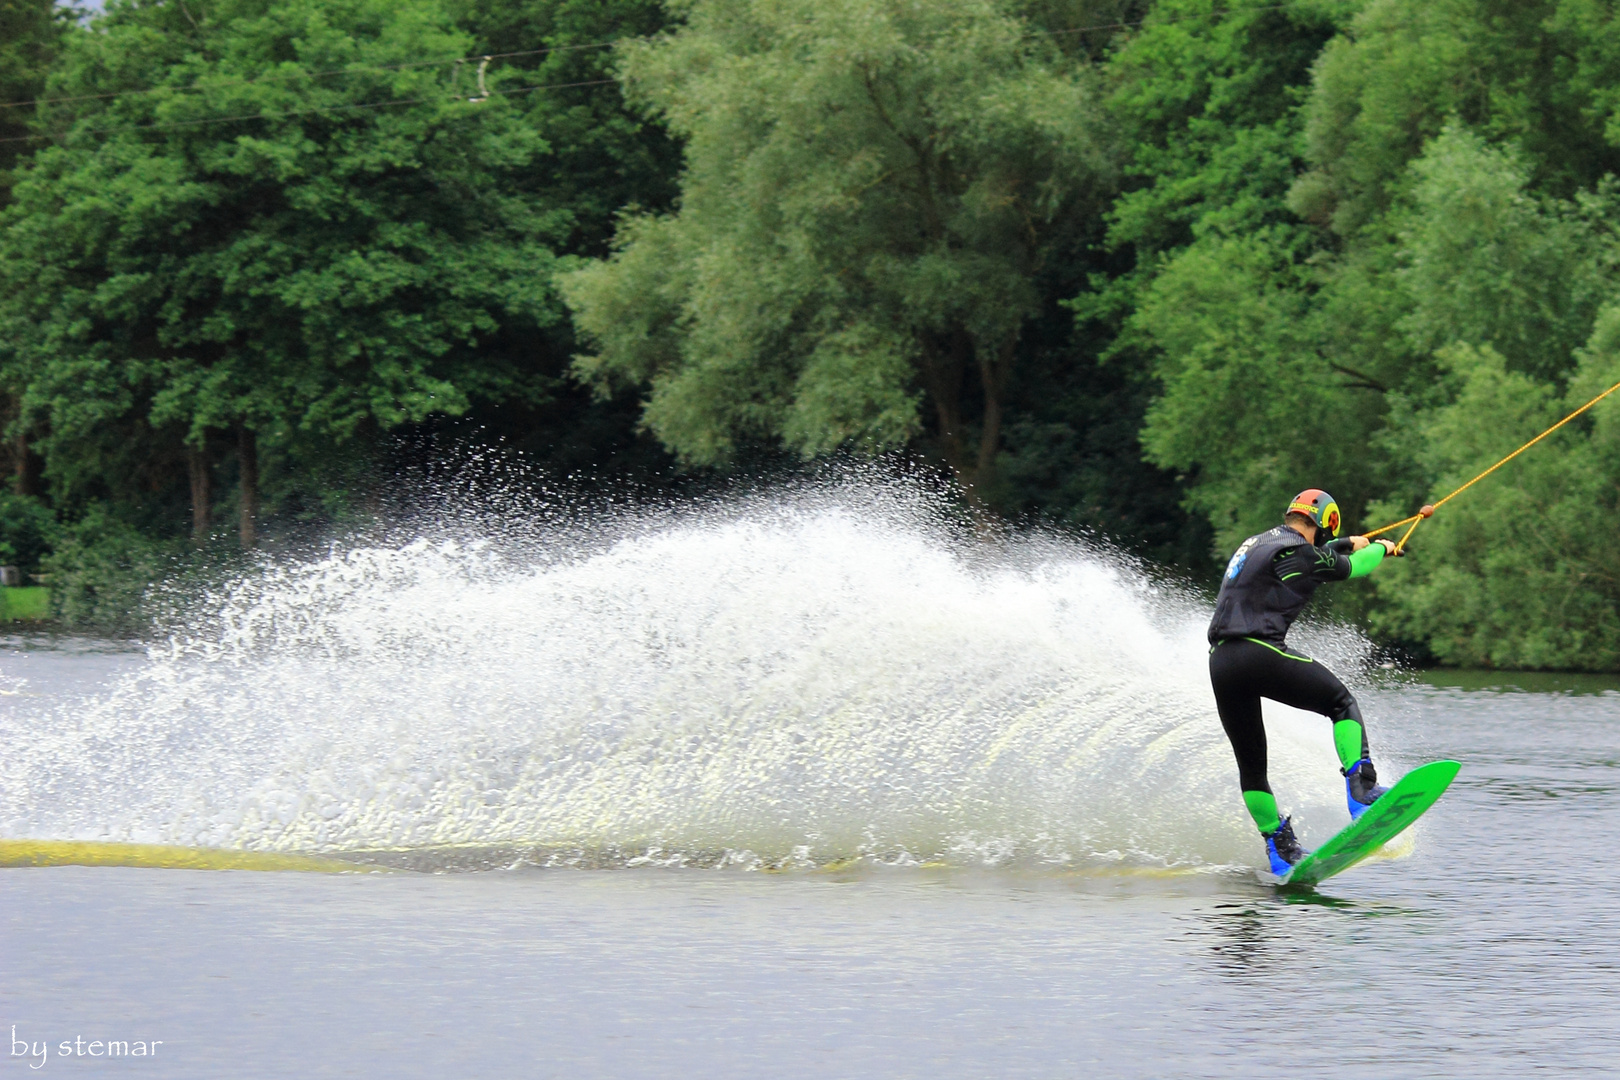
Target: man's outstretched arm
1365, 558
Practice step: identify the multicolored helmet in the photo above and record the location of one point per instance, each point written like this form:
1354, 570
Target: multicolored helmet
1319, 506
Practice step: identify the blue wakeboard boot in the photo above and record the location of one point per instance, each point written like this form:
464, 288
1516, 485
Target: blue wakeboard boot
1282, 848
1361, 788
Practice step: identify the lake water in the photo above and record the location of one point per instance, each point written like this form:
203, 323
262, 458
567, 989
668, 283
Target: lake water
856, 805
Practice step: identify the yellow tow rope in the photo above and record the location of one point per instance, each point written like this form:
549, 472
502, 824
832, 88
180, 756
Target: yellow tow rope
1428, 510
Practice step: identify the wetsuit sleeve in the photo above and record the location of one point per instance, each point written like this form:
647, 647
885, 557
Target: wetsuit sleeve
1363, 561
1297, 565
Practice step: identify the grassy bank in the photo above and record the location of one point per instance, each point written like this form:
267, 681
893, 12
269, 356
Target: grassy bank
27, 604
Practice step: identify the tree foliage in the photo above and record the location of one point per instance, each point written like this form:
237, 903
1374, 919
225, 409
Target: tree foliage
1438, 297
31, 33
1139, 267
601, 155
301, 231
870, 191
1508, 575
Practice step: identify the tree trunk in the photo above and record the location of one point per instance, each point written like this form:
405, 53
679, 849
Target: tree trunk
944, 366
944, 362
247, 461
201, 511
993, 372
29, 468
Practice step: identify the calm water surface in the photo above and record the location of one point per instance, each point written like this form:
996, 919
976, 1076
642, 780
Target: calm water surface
1492, 950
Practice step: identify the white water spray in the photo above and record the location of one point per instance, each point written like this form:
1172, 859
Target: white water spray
803, 678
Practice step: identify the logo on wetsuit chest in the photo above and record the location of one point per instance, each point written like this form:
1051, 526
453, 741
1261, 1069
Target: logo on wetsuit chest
1239, 557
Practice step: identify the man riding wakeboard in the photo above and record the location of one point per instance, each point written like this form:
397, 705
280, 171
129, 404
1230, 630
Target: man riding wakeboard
1268, 582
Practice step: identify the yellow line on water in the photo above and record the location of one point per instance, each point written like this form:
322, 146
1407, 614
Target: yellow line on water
96, 853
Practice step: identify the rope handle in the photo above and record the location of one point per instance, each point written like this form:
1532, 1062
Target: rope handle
1429, 508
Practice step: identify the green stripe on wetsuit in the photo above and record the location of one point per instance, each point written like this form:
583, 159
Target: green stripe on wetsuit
1285, 655
1350, 740
1263, 808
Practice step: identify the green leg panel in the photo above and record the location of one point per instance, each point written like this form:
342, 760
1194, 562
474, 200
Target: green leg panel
1350, 740
1263, 808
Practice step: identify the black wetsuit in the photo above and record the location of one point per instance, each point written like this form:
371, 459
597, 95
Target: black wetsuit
1268, 582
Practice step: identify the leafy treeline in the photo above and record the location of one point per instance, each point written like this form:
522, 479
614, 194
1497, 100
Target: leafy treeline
1140, 268
258, 242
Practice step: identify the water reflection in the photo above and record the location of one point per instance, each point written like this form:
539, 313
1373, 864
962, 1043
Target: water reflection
1244, 944
1256, 938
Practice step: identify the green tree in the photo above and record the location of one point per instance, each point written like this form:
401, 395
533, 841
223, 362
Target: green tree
1510, 573
1486, 262
602, 153
1249, 403
281, 221
27, 528
1284, 340
1506, 288
1205, 100
1591, 29
871, 190
1275, 371
1433, 301
1405, 67
31, 33
1212, 300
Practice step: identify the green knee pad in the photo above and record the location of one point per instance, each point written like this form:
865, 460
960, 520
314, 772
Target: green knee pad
1350, 740
1263, 808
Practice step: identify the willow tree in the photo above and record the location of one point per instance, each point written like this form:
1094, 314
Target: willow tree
872, 188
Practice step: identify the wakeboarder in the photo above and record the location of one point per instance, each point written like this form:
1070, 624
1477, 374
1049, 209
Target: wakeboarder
1267, 584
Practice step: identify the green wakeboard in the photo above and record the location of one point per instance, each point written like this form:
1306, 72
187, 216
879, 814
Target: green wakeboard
1386, 819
